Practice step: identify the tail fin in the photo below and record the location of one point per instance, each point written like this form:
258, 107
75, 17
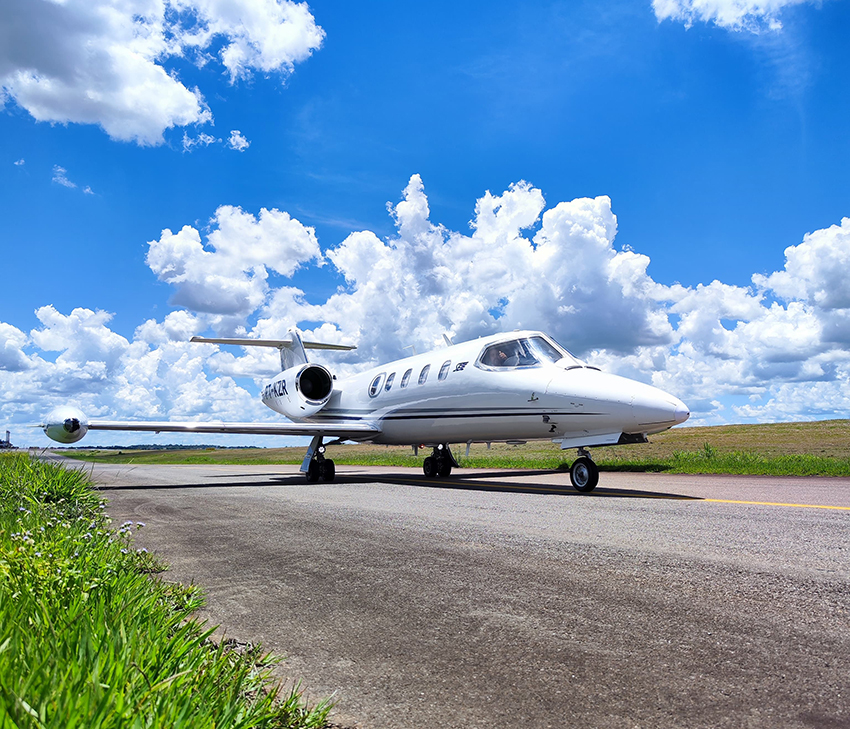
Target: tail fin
292, 348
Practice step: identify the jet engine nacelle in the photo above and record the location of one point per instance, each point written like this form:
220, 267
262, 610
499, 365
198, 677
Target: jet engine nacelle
66, 425
300, 391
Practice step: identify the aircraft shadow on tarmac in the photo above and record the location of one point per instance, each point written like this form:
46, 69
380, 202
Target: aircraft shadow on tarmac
491, 482
468, 482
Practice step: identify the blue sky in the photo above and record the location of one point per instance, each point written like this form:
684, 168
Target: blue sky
718, 134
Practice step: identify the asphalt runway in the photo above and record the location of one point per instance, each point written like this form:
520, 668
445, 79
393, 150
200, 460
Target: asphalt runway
507, 599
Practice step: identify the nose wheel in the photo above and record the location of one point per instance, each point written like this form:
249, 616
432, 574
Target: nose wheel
584, 473
439, 463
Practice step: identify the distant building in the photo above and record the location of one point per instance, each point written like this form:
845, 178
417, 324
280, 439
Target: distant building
8, 442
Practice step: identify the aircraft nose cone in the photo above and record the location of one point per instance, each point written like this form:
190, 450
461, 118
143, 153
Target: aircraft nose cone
655, 410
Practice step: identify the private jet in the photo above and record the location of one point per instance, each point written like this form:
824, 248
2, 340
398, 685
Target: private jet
508, 388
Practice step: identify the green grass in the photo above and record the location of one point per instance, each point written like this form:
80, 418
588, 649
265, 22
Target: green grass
88, 638
819, 448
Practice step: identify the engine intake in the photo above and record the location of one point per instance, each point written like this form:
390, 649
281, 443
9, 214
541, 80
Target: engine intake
315, 383
300, 391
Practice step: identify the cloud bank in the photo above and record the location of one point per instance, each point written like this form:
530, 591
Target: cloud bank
103, 61
776, 350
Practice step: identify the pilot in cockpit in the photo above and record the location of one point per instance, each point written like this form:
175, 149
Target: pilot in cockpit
509, 354
495, 357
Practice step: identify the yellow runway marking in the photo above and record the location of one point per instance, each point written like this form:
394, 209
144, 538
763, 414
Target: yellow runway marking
520, 487
774, 503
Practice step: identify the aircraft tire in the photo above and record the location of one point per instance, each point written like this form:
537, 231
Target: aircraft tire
313, 472
429, 467
328, 470
444, 469
584, 475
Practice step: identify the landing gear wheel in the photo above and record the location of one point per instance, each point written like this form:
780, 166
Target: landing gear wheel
444, 468
584, 474
328, 470
313, 471
429, 467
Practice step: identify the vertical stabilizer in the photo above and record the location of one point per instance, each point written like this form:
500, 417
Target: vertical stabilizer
292, 350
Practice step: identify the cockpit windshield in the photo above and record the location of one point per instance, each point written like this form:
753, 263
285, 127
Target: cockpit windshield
526, 352
554, 352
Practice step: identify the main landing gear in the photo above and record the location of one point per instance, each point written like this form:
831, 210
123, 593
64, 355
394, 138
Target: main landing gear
584, 473
315, 465
440, 462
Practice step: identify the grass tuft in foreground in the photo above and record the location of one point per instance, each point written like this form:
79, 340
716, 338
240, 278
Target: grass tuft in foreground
88, 639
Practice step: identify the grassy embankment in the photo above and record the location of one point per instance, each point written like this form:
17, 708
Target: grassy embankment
89, 639
817, 448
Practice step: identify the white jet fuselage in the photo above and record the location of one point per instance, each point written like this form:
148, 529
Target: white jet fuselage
461, 398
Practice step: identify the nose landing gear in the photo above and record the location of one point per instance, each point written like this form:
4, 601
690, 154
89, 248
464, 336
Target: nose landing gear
440, 462
584, 473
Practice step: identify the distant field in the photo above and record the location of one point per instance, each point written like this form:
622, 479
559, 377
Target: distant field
817, 448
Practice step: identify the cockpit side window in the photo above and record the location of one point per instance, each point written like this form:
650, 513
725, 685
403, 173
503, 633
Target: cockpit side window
515, 353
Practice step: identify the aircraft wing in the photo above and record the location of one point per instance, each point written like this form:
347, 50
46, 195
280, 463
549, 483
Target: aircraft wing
68, 425
354, 431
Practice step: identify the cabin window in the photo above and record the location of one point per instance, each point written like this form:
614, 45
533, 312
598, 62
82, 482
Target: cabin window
375, 387
424, 374
389, 384
444, 370
405, 378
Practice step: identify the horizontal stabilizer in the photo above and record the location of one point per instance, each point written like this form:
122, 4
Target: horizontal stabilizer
277, 343
291, 349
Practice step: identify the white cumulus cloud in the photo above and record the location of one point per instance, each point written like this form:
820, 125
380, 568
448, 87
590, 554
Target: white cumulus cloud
237, 141
816, 269
228, 277
60, 177
103, 61
201, 140
751, 15
12, 341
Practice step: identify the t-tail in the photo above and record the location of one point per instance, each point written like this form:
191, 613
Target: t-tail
292, 347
